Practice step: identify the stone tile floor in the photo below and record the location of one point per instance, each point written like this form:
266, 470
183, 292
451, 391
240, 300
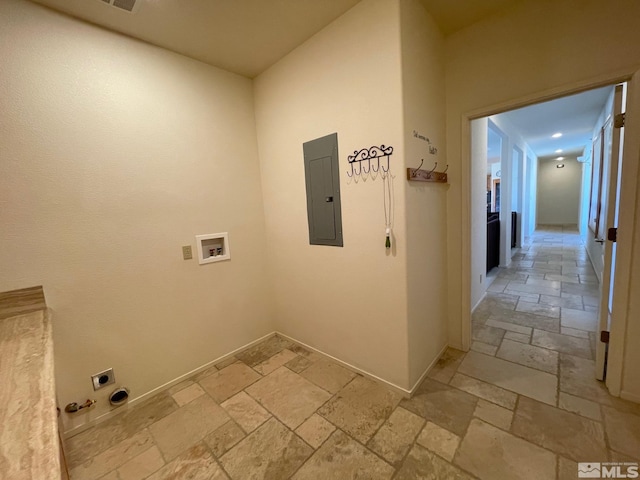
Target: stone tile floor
522, 404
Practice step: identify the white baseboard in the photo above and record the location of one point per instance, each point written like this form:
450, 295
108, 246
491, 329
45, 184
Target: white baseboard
632, 397
484, 294
403, 391
427, 370
118, 410
131, 403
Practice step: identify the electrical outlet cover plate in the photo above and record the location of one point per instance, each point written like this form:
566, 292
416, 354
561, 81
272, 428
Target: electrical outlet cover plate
103, 379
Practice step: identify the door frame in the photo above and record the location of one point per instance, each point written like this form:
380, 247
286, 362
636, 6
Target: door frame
520, 162
506, 165
606, 218
627, 215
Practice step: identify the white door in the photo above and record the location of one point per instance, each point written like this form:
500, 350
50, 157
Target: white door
608, 221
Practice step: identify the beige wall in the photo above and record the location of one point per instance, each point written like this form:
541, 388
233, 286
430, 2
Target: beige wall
426, 210
504, 61
349, 301
113, 155
559, 192
354, 300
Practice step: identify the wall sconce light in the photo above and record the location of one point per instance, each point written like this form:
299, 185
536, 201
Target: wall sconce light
560, 165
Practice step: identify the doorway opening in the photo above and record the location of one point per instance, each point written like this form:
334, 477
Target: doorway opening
494, 161
559, 168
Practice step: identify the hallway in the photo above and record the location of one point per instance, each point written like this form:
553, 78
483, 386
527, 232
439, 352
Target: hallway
534, 334
522, 404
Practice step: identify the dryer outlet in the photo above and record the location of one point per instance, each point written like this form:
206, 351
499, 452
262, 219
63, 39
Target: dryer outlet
103, 379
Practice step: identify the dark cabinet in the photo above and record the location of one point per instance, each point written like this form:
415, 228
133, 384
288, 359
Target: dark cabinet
493, 240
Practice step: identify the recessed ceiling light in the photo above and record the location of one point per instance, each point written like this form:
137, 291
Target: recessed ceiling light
560, 166
559, 159
559, 150
556, 135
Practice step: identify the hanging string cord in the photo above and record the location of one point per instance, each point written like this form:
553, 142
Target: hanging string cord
391, 202
386, 190
388, 208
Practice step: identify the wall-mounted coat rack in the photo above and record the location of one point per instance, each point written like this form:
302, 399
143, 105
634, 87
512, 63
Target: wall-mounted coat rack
417, 175
367, 162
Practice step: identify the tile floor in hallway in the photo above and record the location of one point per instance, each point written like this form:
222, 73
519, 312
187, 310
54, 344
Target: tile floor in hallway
522, 404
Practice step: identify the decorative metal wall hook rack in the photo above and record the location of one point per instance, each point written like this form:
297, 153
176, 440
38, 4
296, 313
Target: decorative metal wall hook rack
417, 175
366, 161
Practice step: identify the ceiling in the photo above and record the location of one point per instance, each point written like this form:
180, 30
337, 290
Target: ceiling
574, 116
240, 36
454, 15
246, 36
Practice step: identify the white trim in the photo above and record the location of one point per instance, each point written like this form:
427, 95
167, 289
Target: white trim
604, 80
106, 416
626, 249
465, 304
592, 264
607, 218
161, 388
484, 294
403, 391
427, 370
406, 393
632, 397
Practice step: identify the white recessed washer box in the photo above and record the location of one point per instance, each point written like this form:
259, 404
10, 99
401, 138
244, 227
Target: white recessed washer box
213, 247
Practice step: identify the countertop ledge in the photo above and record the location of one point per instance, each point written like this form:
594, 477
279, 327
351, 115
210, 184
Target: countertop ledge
29, 446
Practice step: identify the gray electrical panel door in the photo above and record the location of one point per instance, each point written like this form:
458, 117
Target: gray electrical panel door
323, 191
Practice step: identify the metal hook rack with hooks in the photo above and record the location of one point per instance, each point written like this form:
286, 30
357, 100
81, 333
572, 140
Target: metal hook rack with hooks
371, 156
415, 174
